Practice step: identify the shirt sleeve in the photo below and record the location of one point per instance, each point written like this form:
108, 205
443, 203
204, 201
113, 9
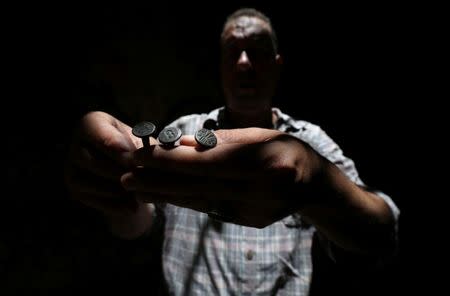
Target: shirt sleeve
324, 145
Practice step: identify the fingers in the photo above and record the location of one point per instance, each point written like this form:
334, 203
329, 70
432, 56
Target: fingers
103, 146
238, 150
97, 164
81, 182
188, 141
229, 161
178, 159
105, 132
108, 136
222, 160
245, 135
101, 194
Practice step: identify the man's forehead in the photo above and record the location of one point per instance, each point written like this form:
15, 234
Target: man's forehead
246, 26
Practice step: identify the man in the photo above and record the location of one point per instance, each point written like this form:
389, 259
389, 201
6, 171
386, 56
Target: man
238, 218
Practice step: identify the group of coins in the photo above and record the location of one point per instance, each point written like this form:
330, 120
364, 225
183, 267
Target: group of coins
169, 136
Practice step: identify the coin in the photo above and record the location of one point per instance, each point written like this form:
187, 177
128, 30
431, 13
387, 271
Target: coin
206, 138
210, 124
143, 129
169, 135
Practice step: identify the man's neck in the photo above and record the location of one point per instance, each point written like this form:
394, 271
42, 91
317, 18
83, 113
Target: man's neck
262, 118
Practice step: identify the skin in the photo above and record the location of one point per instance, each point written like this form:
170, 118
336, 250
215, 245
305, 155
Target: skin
277, 173
250, 70
101, 151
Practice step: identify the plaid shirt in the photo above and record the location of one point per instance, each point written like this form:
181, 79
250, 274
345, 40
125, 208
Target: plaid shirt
205, 257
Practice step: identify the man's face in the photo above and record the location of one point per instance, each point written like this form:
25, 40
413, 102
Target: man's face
249, 64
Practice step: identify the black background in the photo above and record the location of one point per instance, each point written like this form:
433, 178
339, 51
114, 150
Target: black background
357, 71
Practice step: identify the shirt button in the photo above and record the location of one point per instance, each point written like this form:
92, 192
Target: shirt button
250, 254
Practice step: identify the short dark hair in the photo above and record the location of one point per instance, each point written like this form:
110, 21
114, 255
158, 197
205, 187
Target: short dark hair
252, 12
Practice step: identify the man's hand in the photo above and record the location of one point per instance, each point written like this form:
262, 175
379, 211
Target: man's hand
255, 175
100, 153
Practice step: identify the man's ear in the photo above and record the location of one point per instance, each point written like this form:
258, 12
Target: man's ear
279, 60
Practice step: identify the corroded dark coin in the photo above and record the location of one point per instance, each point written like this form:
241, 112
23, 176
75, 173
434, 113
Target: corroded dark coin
143, 129
206, 138
169, 135
210, 124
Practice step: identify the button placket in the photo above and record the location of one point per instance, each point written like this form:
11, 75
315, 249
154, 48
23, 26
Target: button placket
249, 254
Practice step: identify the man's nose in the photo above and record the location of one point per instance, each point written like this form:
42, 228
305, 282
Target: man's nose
243, 62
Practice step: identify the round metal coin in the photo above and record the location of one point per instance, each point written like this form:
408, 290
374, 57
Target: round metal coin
143, 129
210, 124
206, 138
169, 135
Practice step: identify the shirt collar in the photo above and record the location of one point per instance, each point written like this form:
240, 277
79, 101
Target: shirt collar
284, 121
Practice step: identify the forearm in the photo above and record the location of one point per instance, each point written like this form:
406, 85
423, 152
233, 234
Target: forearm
352, 218
132, 226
